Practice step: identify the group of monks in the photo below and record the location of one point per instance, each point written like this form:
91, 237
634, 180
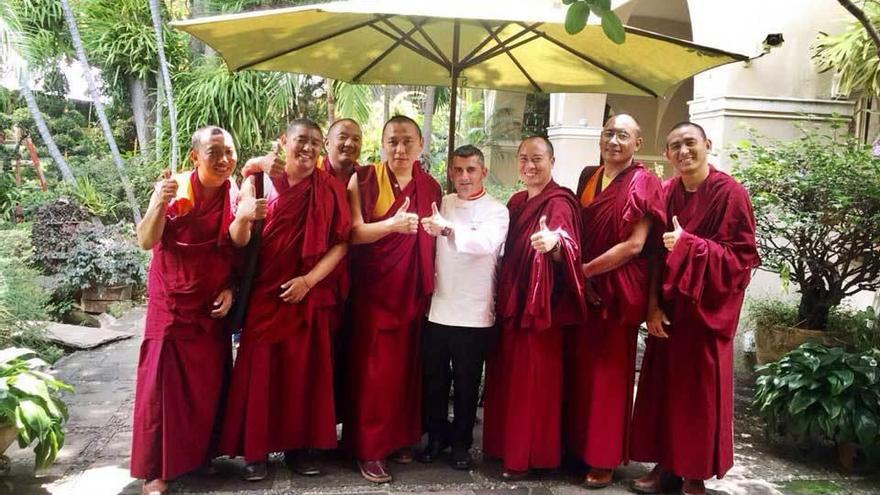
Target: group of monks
345, 271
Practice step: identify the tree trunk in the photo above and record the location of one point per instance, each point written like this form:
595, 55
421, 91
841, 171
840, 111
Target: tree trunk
99, 109
43, 129
163, 84
331, 101
137, 92
428, 112
815, 304
157, 138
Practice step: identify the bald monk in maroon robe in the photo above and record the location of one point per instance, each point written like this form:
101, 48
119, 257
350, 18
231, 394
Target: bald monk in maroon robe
186, 350
392, 281
621, 202
539, 291
683, 418
343, 144
281, 396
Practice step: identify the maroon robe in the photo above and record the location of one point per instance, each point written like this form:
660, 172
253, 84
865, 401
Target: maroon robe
392, 281
338, 174
601, 352
536, 298
281, 396
683, 416
185, 353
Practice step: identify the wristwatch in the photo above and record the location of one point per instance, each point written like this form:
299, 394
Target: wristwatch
446, 232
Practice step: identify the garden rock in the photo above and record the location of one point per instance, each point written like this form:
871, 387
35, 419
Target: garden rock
82, 337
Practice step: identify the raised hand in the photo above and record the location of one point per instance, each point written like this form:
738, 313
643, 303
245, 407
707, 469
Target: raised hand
544, 240
435, 224
671, 238
404, 222
270, 164
249, 207
166, 189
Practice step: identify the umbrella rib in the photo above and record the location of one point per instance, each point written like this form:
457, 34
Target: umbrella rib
592, 61
495, 50
411, 44
483, 43
286, 51
430, 41
513, 59
384, 54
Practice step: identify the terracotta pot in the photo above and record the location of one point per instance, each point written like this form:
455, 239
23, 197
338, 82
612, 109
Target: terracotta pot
8, 433
98, 299
775, 341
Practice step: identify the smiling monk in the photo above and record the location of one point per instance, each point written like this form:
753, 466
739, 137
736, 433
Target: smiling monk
281, 398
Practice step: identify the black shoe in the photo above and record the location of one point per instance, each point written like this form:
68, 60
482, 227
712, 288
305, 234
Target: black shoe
255, 471
461, 459
302, 461
432, 450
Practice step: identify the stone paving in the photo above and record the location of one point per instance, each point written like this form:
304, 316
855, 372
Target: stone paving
95, 458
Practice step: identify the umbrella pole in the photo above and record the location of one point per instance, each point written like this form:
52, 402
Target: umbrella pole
453, 103
454, 72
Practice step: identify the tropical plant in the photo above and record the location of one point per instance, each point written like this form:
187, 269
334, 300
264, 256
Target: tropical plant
99, 108
852, 56
817, 209
824, 395
29, 401
253, 106
119, 38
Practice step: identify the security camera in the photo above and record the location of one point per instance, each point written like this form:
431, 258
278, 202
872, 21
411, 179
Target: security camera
773, 40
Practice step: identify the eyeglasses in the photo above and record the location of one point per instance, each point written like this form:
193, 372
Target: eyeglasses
621, 135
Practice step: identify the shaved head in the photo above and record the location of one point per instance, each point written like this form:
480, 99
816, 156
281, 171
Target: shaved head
203, 135
624, 120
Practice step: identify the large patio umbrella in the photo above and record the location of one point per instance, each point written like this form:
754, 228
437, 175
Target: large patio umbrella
493, 44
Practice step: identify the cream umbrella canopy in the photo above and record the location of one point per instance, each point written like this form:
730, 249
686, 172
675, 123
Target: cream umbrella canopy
492, 44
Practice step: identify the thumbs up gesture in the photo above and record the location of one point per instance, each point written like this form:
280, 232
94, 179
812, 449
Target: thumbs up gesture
544, 240
435, 224
404, 222
249, 207
671, 238
166, 189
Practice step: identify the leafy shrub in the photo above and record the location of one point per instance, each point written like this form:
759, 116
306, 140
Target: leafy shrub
23, 302
29, 400
54, 232
104, 256
817, 208
860, 329
823, 395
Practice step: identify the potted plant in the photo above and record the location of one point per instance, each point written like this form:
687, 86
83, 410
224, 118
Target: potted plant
105, 265
822, 395
30, 409
817, 209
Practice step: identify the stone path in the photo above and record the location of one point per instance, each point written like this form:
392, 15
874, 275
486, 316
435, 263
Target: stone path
95, 460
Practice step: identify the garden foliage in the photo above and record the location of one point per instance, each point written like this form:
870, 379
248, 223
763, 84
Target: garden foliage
821, 394
817, 208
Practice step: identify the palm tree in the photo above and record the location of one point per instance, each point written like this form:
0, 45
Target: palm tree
165, 82
99, 109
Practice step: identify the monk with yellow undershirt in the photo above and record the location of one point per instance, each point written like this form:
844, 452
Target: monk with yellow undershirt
392, 269
621, 204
